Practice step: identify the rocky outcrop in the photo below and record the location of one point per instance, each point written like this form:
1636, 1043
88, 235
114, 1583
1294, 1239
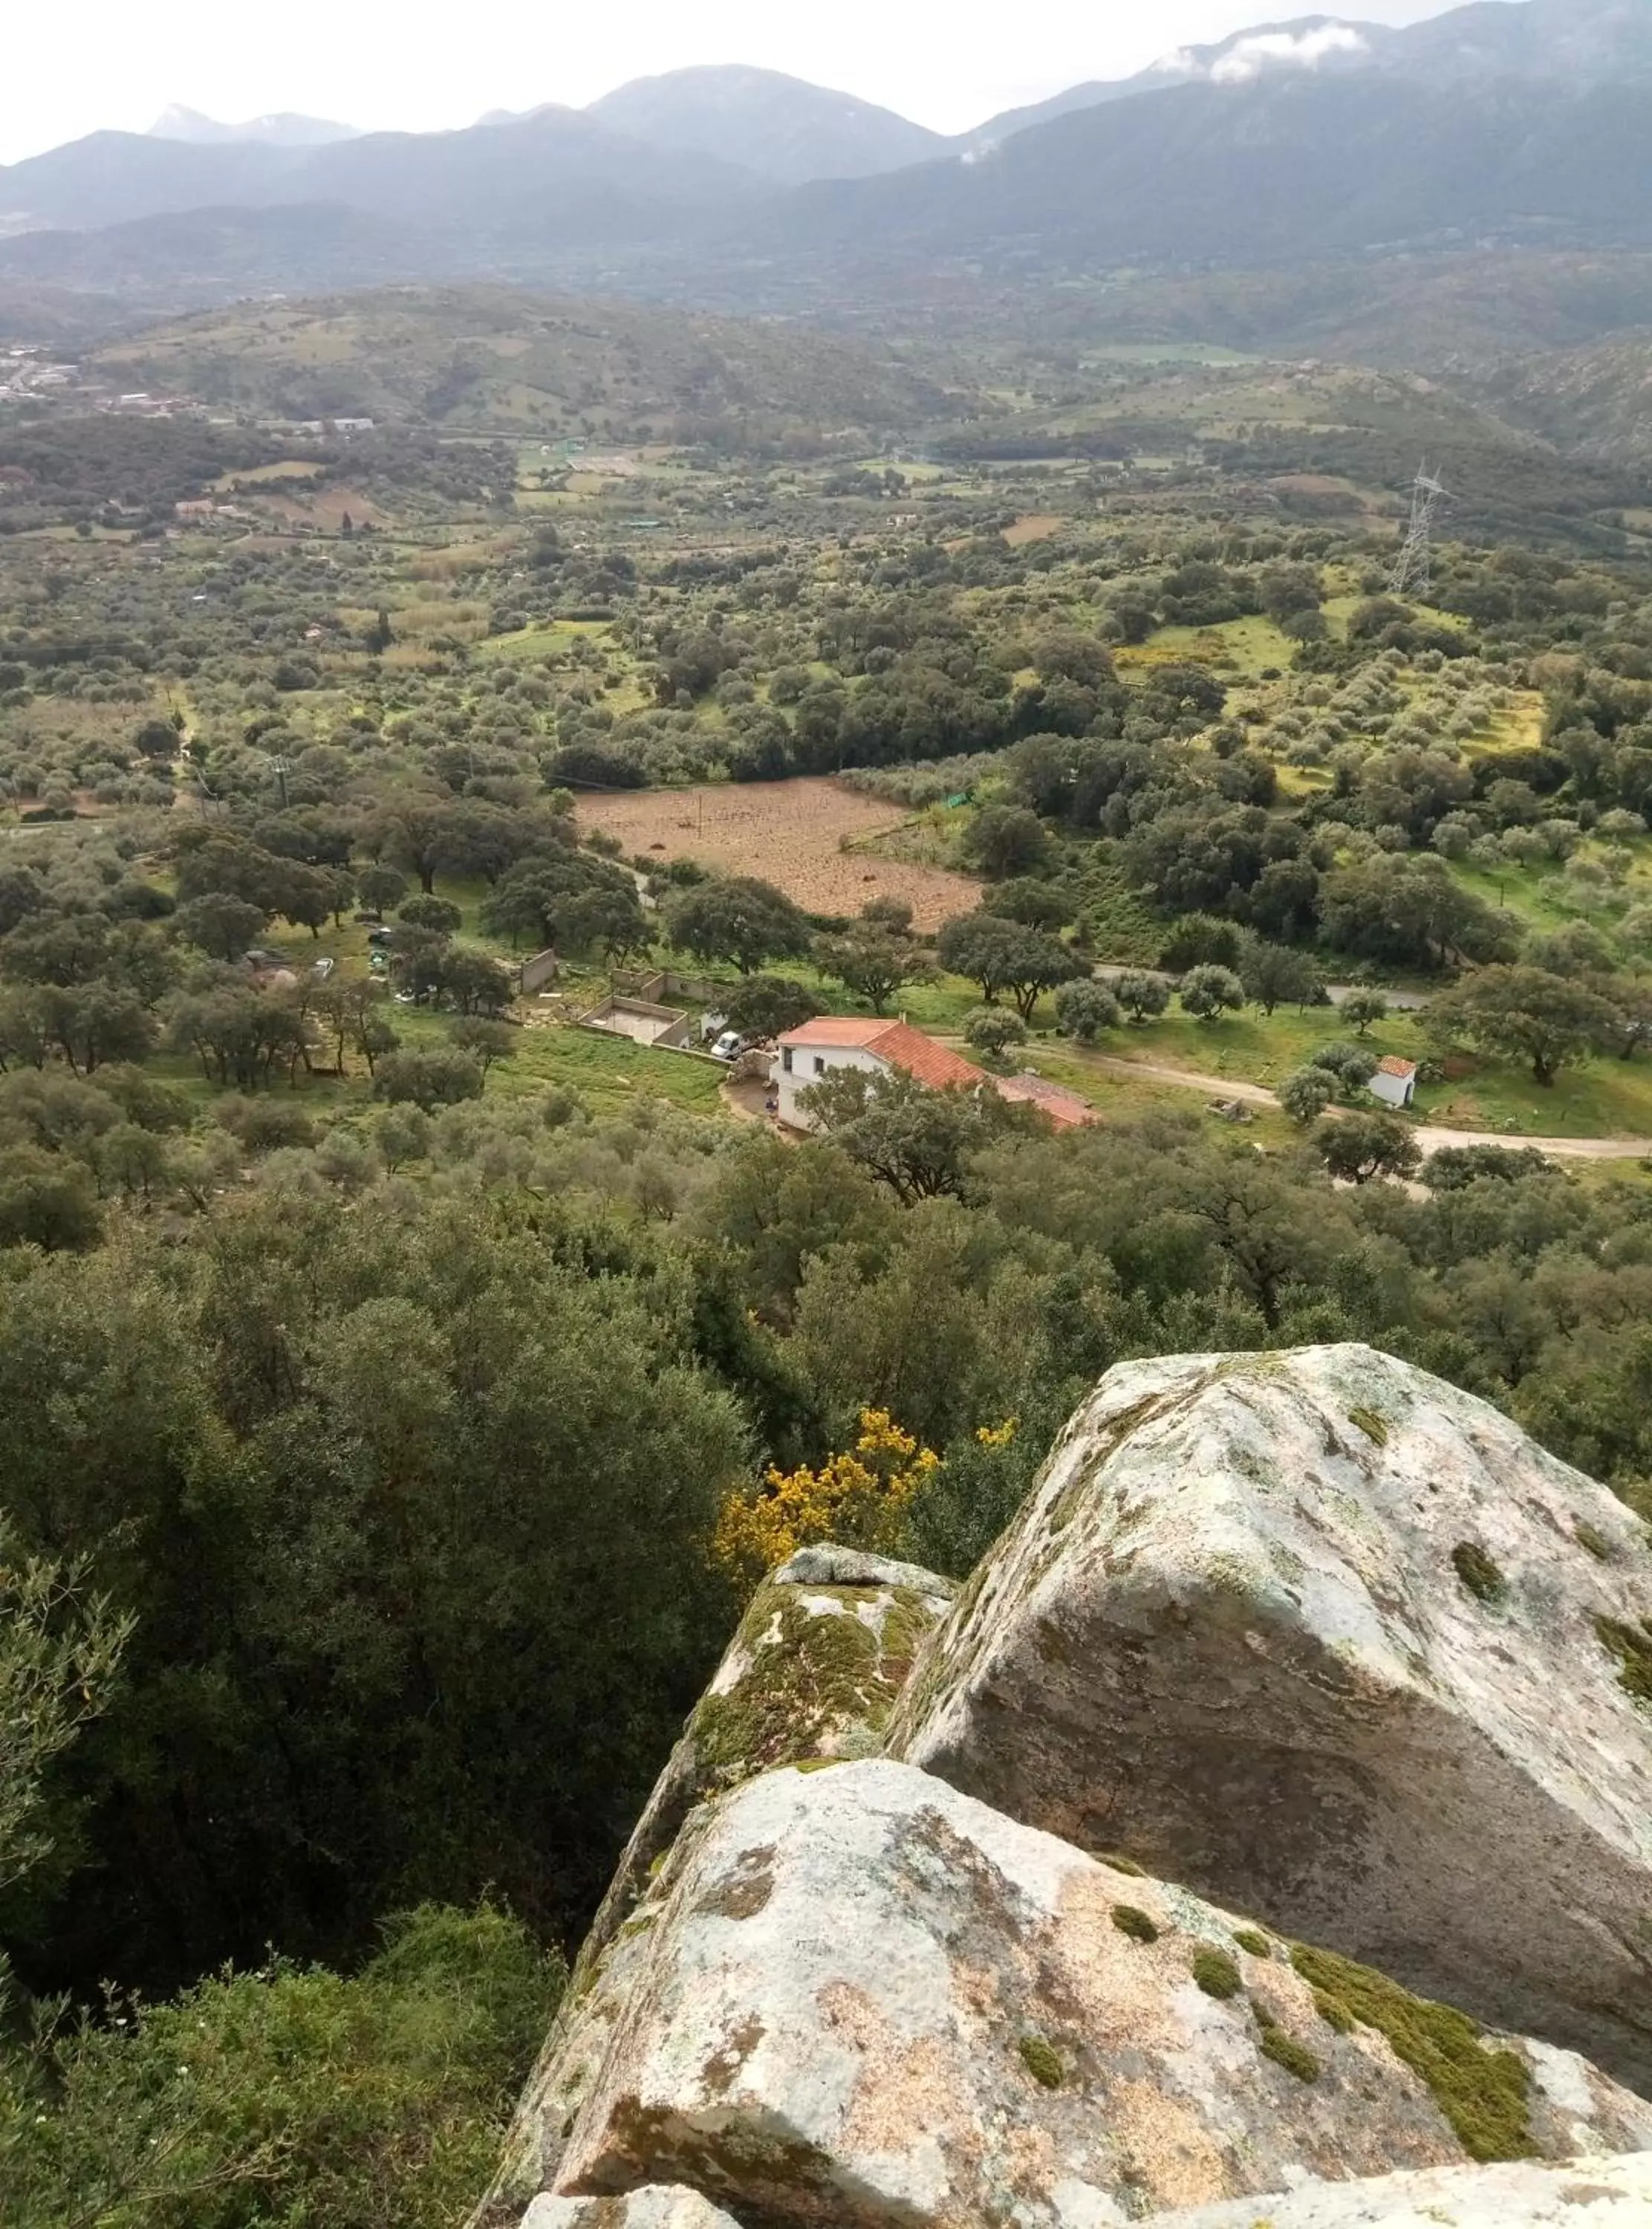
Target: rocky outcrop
1338, 1645
658, 2207
857, 1996
896, 1943
813, 1672
1533, 2194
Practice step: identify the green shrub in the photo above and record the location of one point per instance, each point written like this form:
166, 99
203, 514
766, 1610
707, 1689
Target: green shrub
291, 2095
1131, 1920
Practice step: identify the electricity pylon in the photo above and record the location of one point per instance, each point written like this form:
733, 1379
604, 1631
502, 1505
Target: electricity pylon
1413, 568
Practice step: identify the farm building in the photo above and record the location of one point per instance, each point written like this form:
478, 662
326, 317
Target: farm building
1395, 1081
1065, 1109
832, 1042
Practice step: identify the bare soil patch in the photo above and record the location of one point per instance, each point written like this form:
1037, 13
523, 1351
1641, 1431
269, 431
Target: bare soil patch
791, 833
1033, 526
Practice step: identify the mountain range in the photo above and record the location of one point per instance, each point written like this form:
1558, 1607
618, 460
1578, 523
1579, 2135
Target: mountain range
282, 130
1503, 122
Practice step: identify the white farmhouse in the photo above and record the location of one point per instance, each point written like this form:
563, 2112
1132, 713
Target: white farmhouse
1395, 1081
832, 1042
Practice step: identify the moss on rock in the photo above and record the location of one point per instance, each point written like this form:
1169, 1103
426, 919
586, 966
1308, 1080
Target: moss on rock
1130, 1919
811, 1671
1253, 1940
1216, 1973
1478, 1573
1485, 2093
1042, 2061
1285, 2050
1632, 1646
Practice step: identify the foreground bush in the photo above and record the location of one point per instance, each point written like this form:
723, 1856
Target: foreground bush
291, 2095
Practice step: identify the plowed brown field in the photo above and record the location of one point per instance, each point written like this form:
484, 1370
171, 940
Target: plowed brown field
791, 833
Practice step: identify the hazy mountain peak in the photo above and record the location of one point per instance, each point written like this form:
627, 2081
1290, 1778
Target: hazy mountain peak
283, 129
781, 126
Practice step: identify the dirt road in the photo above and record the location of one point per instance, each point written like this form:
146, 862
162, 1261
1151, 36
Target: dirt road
1431, 1139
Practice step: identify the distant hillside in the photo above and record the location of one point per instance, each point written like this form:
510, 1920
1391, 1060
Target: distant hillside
1596, 401
1509, 124
1450, 313
163, 266
493, 358
1577, 43
555, 172
1288, 168
777, 125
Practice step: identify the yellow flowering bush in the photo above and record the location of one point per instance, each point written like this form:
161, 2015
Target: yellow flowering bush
858, 1499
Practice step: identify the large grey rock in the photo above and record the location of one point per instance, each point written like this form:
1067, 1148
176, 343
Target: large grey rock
1336, 1644
866, 2000
660, 2206
813, 1672
1590, 2193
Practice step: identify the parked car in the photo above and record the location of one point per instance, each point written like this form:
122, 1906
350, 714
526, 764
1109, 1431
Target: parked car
380, 935
323, 968
729, 1046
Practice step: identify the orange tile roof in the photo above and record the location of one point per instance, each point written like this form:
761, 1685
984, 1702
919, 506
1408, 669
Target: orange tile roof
921, 1056
897, 1042
1065, 1109
840, 1030
1393, 1066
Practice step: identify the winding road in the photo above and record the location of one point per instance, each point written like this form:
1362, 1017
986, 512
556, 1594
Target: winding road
1431, 1139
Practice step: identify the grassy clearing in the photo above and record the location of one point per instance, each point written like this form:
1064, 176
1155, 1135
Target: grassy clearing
545, 641
1126, 1098
1605, 1098
1252, 1047
1540, 898
610, 1073
1251, 646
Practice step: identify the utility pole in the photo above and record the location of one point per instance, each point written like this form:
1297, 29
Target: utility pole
1413, 568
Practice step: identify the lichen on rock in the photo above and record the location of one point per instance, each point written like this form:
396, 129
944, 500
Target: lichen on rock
1587, 2193
928, 2017
1338, 1644
658, 2206
809, 1676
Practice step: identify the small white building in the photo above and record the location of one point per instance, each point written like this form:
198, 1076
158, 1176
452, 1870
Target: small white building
833, 1042
1395, 1081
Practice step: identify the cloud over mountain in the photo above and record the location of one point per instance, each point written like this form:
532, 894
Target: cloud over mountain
1270, 50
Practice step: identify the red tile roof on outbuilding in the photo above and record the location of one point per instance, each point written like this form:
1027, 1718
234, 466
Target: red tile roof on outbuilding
1393, 1066
1065, 1109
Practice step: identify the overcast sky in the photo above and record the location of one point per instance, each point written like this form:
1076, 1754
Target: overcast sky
69, 67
